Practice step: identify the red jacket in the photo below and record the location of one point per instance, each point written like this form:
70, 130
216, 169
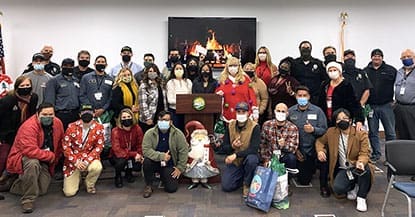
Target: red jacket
234, 93
126, 144
28, 142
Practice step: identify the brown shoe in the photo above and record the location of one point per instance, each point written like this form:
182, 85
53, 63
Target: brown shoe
245, 191
147, 191
27, 207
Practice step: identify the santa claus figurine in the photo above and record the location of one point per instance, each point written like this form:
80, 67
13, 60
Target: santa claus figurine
5, 84
201, 164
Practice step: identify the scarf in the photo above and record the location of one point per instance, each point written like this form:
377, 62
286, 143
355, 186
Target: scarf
23, 103
128, 98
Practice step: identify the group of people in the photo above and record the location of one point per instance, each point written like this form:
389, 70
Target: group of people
313, 111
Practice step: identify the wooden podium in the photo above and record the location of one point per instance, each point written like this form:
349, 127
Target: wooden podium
185, 104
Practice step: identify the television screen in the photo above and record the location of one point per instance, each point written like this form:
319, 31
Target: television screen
212, 40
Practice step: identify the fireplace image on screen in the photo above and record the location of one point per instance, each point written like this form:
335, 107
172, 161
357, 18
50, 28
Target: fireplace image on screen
213, 40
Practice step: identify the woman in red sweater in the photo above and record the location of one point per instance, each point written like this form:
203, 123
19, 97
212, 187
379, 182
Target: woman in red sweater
126, 141
264, 68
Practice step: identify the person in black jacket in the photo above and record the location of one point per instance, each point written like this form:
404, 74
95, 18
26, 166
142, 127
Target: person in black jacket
309, 71
15, 108
50, 67
338, 93
380, 100
205, 83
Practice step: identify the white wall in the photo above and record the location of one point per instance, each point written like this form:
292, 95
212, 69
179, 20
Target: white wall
104, 26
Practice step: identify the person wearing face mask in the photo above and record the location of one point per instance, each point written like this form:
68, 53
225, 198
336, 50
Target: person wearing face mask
148, 61
126, 140
264, 68
282, 86
83, 68
382, 76
192, 68
357, 77
405, 97
96, 88
152, 97
126, 55
38, 76
329, 54
173, 58
82, 147
177, 84
34, 154
234, 86
240, 143
205, 83
261, 93
280, 134
165, 151
338, 93
50, 67
15, 108
62, 91
347, 151
309, 71
311, 123
125, 93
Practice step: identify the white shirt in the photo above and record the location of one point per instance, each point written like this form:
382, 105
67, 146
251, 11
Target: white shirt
176, 86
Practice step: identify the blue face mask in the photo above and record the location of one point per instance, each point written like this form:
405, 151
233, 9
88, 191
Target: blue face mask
408, 62
302, 101
38, 67
163, 125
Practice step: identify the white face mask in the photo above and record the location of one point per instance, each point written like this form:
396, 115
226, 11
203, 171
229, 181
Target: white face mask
280, 116
233, 70
241, 118
262, 56
333, 75
178, 73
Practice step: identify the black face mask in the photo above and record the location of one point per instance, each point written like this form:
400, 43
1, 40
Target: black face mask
251, 74
283, 72
100, 67
67, 71
205, 74
174, 59
83, 63
343, 125
87, 117
24, 91
330, 58
305, 53
127, 122
126, 58
349, 63
192, 68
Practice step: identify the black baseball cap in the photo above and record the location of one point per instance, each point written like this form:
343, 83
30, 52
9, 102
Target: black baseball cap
37, 56
126, 48
68, 61
349, 51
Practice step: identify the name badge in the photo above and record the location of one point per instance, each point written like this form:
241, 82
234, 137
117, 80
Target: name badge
109, 82
312, 117
402, 92
76, 84
98, 96
63, 85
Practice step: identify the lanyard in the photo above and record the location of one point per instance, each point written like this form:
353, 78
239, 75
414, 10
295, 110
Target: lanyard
129, 142
124, 66
85, 139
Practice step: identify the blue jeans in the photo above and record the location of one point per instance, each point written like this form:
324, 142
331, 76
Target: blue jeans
385, 114
234, 176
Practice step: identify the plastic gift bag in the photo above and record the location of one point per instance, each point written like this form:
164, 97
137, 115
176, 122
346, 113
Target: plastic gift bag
262, 188
280, 199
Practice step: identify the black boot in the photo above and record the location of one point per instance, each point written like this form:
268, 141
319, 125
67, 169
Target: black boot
118, 181
129, 176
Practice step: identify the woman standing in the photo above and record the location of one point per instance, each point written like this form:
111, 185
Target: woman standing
264, 68
234, 86
125, 93
15, 108
205, 83
152, 97
126, 150
177, 84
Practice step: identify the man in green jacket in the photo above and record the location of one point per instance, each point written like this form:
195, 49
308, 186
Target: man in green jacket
165, 151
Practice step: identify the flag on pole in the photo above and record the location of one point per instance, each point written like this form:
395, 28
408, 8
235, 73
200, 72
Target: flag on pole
3, 68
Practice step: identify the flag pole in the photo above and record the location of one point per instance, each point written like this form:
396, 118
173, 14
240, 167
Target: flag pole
343, 18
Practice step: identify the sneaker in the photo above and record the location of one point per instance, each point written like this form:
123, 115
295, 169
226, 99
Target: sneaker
351, 195
324, 192
147, 191
245, 191
91, 190
361, 204
27, 207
